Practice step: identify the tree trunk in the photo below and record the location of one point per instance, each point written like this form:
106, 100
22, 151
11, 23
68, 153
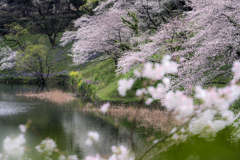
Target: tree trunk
116, 62
69, 8
52, 40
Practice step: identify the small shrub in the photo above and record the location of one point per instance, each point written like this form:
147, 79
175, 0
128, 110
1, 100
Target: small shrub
75, 79
87, 89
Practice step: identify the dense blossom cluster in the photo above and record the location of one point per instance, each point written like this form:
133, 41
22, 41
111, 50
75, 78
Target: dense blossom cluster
155, 72
105, 35
205, 119
204, 41
213, 46
99, 36
162, 43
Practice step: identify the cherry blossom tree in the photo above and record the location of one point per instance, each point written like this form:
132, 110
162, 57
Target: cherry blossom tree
214, 44
100, 36
168, 39
205, 41
112, 31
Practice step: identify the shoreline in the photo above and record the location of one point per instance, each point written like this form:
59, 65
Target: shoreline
60, 79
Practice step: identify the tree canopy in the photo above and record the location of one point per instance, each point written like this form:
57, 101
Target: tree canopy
34, 59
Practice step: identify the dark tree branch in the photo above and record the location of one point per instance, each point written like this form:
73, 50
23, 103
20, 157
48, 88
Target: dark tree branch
13, 40
91, 12
148, 15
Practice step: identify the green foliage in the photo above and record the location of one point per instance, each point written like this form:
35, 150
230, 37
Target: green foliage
235, 107
78, 3
58, 56
15, 37
34, 59
32, 56
132, 25
104, 81
88, 90
92, 3
79, 85
16, 30
138, 84
196, 148
75, 80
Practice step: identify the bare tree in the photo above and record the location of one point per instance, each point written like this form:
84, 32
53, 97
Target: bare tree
49, 18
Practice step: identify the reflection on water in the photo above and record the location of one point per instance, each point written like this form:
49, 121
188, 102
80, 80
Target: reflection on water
77, 125
62, 123
11, 108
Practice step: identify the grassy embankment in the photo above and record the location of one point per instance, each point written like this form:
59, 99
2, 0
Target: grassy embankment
102, 78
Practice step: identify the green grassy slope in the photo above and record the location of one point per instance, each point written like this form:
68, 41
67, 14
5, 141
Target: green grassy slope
102, 75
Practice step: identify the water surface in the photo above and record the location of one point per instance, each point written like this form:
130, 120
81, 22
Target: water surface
63, 123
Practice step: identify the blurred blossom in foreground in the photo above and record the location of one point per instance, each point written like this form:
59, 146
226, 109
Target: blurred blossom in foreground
47, 146
105, 107
118, 153
97, 157
72, 157
62, 157
121, 153
124, 85
22, 128
13, 147
92, 136
205, 119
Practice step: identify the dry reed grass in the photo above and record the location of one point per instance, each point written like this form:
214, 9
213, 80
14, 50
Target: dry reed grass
158, 119
56, 96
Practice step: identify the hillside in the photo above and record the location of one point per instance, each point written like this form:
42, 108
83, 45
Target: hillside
108, 45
